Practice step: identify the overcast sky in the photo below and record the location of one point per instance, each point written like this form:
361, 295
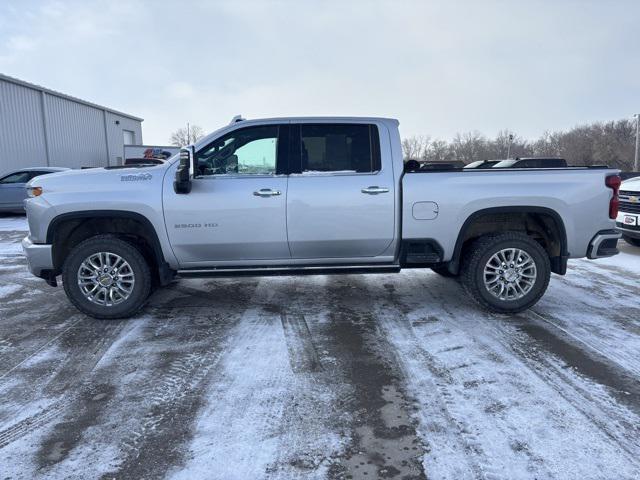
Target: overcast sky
439, 68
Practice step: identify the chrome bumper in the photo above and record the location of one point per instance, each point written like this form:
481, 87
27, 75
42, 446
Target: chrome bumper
604, 244
39, 257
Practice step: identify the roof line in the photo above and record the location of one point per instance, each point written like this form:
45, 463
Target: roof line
48, 91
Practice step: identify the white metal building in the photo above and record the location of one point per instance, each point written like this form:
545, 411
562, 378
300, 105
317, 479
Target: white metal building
41, 127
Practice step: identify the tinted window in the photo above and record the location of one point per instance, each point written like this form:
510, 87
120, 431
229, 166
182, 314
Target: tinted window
246, 151
339, 148
18, 177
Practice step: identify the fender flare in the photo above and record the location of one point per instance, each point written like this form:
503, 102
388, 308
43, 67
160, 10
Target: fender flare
558, 264
152, 234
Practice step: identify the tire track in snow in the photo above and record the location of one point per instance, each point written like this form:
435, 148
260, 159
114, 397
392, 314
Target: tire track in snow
384, 442
614, 421
174, 388
473, 330
442, 411
71, 376
302, 353
263, 418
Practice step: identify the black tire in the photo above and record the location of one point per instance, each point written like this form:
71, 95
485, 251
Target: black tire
444, 271
107, 243
481, 251
631, 241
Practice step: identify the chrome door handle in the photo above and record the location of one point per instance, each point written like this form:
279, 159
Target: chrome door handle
374, 190
266, 192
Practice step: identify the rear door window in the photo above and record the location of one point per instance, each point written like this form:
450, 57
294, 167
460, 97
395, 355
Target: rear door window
343, 148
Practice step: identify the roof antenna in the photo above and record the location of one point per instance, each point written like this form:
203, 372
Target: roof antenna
236, 119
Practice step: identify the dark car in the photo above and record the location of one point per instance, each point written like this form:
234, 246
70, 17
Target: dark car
13, 189
482, 164
532, 162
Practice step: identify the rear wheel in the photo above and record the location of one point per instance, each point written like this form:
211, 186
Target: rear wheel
506, 272
106, 277
631, 241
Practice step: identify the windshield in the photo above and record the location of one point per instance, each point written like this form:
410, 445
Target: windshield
504, 164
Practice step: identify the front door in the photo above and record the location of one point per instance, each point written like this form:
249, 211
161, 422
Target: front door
341, 201
236, 210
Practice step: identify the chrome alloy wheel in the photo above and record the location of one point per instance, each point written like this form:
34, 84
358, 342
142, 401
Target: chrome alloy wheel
510, 274
106, 279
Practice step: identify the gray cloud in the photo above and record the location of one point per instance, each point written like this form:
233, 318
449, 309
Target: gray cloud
439, 68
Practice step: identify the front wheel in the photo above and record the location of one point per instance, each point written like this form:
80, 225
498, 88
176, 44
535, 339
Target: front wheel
106, 277
631, 241
506, 272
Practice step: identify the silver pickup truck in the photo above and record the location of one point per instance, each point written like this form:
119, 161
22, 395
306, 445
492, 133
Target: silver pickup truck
310, 196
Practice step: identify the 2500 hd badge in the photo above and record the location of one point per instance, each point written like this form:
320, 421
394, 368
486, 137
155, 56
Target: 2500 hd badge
195, 225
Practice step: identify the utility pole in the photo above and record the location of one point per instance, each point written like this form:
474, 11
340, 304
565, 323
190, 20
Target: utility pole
188, 135
636, 166
509, 145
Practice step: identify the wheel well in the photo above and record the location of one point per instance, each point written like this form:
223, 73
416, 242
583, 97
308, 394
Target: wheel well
543, 225
67, 232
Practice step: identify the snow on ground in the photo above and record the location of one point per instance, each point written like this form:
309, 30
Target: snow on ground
376, 376
14, 223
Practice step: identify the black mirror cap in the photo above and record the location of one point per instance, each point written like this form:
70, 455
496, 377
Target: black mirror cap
182, 183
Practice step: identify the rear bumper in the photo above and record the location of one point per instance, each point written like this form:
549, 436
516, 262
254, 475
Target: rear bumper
604, 244
39, 258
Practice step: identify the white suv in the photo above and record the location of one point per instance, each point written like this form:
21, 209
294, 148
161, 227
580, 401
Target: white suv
628, 221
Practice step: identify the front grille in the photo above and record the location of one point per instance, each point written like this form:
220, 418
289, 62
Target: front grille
627, 206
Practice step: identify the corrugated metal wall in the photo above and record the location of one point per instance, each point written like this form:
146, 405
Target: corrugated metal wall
77, 135
21, 128
116, 137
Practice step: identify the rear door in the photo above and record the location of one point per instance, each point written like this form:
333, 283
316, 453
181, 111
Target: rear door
340, 201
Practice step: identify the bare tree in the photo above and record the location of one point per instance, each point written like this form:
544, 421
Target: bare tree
611, 143
184, 136
415, 148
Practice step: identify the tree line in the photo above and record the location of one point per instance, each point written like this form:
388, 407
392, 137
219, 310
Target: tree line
600, 143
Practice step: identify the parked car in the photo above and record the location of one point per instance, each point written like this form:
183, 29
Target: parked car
628, 221
532, 163
13, 190
313, 195
482, 164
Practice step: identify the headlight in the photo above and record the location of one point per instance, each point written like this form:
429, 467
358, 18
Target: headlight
34, 191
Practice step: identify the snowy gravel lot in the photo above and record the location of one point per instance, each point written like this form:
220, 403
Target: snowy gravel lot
374, 376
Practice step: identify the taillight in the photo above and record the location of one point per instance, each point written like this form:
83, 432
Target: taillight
613, 182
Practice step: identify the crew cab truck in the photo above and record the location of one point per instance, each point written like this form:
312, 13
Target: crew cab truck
309, 196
